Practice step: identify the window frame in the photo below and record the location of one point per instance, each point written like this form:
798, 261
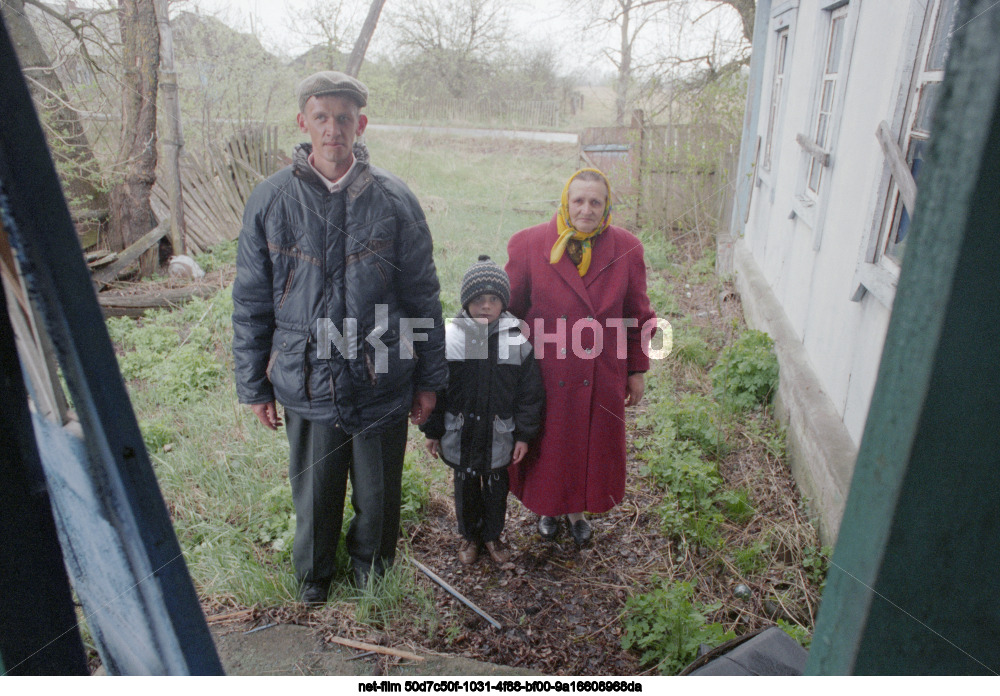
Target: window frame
782, 20
810, 206
878, 272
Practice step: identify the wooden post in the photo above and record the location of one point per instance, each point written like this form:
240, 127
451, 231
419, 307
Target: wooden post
364, 38
912, 584
174, 142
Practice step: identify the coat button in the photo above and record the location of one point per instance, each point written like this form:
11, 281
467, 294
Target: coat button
562, 383
586, 382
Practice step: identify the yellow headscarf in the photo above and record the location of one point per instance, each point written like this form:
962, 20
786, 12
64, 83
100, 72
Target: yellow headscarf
567, 231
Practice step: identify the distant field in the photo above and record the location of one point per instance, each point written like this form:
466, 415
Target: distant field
476, 192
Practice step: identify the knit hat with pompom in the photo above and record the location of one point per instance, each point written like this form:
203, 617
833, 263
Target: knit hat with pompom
483, 277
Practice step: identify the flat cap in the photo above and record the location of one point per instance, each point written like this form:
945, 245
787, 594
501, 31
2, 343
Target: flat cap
332, 82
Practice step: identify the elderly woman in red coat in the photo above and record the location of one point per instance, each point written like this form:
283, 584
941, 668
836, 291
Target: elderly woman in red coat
580, 285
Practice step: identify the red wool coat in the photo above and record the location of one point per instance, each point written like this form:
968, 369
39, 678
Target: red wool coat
577, 464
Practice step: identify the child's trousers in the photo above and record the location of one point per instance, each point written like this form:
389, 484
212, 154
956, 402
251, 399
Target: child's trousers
481, 504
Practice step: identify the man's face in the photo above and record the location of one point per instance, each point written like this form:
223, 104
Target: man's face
333, 124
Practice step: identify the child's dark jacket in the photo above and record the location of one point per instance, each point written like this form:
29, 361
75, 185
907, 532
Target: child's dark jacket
494, 397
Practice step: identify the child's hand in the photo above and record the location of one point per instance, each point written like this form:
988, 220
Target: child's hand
520, 449
433, 446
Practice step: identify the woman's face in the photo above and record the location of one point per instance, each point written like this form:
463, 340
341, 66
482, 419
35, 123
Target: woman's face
586, 204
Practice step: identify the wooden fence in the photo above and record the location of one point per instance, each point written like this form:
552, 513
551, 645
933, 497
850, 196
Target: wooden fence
493, 112
216, 186
675, 177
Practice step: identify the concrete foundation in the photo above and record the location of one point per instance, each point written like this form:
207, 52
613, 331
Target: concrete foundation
821, 453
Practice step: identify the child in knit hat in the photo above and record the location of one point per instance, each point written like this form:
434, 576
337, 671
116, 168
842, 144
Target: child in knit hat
490, 411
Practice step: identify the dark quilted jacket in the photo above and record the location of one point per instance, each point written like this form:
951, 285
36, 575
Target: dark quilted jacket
306, 256
494, 398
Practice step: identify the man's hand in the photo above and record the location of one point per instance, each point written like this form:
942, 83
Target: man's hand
423, 406
267, 414
634, 388
433, 447
520, 449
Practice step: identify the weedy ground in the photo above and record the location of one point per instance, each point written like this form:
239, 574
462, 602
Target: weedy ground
710, 504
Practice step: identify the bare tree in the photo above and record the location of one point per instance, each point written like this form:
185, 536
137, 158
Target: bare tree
630, 19
131, 212
453, 41
747, 10
67, 138
663, 45
327, 24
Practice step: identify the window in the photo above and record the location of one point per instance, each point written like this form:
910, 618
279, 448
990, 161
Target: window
776, 84
904, 145
927, 76
832, 47
824, 113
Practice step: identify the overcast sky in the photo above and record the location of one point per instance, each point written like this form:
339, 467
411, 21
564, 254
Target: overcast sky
541, 22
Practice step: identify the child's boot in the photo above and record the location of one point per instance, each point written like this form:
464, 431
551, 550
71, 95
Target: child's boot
468, 552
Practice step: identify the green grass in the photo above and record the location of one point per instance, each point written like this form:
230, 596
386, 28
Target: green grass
476, 193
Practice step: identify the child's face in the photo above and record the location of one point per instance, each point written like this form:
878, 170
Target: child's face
485, 308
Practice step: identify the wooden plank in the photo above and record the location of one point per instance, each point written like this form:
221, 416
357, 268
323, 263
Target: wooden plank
382, 650
130, 255
136, 305
194, 191
226, 184
897, 165
813, 149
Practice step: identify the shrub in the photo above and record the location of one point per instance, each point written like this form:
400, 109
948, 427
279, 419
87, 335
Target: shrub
697, 418
666, 628
747, 372
691, 487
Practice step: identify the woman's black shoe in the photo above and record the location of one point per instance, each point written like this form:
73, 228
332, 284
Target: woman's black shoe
548, 527
581, 531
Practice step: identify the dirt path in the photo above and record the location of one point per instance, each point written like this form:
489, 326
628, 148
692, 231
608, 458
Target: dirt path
561, 606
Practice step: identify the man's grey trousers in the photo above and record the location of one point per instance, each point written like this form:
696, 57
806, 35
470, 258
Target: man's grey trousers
320, 458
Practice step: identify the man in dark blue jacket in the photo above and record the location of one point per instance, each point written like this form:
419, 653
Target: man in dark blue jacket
337, 318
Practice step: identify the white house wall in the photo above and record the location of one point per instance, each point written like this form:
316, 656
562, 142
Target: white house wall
843, 339
810, 268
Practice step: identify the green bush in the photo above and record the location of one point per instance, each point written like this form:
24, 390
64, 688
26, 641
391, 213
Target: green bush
666, 628
156, 434
416, 491
691, 487
697, 418
747, 372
